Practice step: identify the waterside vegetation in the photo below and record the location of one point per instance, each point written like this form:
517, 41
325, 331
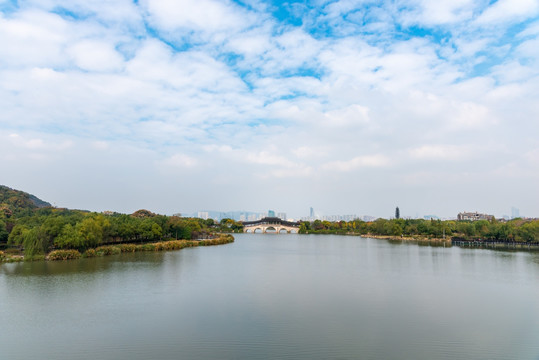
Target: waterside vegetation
517, 230
106, 250
31, 229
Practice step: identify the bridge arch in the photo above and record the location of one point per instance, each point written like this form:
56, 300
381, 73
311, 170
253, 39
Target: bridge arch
272, 225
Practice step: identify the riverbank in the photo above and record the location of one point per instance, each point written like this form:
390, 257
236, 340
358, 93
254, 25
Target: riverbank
450, 241
116, 249
408, 238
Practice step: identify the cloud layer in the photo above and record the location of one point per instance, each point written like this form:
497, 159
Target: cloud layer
346, 106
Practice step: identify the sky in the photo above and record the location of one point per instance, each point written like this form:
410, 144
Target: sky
346, 106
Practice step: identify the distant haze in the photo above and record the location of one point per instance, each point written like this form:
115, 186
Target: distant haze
349, 107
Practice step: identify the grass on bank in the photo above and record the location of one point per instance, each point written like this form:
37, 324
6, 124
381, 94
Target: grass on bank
106, 250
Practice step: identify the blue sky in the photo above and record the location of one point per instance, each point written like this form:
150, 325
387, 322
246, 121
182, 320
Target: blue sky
351, 107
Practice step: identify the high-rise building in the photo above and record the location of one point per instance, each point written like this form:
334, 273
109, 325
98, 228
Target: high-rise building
311, 213
281, 215
271, 213
515, 213
203, 215
473, 216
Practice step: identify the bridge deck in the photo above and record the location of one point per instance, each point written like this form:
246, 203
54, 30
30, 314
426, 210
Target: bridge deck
270, 221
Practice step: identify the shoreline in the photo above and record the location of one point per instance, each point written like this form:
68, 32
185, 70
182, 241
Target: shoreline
106, 250
493, 245
407, 238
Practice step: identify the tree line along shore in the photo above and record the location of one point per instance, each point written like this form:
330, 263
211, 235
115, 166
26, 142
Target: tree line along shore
32, 229
516, 230
104, 250
53, 234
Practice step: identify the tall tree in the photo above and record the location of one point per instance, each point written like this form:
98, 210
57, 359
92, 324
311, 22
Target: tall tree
397, 213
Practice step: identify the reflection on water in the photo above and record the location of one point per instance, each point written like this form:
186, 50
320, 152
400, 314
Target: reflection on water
276, 296
85, 265
429, 243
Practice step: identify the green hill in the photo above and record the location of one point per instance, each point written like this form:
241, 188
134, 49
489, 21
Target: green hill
15, 202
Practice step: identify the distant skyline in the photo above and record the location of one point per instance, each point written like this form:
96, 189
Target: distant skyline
348, 107
246, 214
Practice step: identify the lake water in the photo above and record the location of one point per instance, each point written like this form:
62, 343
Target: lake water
276, 297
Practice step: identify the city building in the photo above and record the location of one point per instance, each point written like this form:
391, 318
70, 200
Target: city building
473, 216
368, 218
515, 213
203, 215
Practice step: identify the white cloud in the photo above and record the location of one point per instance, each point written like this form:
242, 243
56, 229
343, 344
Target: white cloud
441, 11
180, 160
513, 71
507, 10
33, 37
365, 161
532, 157
250, 43
291, 50
95, 55
155, 62
296, 172
443, 152
312, 152
217, 94
206, 18
529, 49
101, 145
349, 116
36, 144
531, 30
267, 158
468, 115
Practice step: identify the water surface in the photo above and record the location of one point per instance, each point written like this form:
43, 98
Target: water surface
276, 296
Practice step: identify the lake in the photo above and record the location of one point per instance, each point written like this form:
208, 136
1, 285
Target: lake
276, 296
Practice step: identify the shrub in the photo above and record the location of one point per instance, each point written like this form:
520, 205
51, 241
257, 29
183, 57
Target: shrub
12, 251
108, 250
34, 258
89, 253
159, 246
223, 239
64, 255
127, 248
146, 247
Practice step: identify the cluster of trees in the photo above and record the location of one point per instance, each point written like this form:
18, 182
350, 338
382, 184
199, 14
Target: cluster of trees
15, 204
34, 226
49, 228
518, 230
230, 225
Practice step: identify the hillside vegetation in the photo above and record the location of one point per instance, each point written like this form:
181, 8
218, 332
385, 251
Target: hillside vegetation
36, 230
16, 202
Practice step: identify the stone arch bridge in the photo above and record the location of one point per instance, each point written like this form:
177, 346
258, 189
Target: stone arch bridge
270, 224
